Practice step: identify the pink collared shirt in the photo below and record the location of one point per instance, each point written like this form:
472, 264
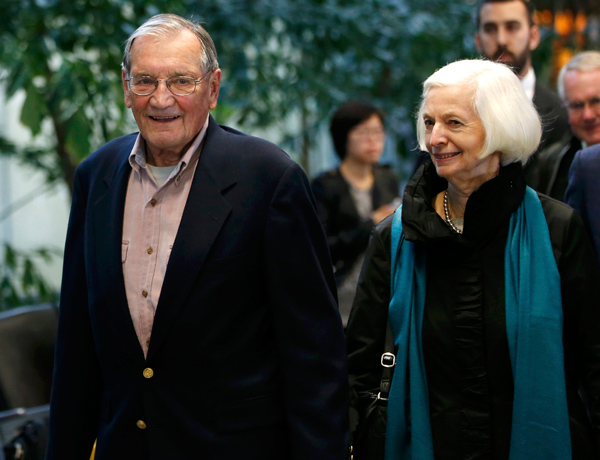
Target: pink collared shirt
150, 224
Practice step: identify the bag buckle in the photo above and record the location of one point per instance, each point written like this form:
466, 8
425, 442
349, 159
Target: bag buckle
381, 398
388, 359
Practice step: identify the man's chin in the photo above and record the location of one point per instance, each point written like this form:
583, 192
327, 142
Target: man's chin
592, 139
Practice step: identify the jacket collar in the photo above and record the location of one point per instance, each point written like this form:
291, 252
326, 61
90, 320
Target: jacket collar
204, 215
490, 206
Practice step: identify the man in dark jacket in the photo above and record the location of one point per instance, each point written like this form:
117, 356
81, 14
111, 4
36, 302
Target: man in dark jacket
579, 89
198, 315
579, 86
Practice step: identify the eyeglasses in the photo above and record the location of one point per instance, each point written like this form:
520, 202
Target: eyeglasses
364, 133
179, 86
578, 106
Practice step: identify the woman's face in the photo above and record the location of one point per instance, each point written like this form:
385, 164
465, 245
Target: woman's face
454, 136
366, 141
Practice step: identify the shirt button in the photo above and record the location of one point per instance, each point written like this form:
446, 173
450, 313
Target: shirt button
145, 293
152, 202
149, 250
141, 424
148, 373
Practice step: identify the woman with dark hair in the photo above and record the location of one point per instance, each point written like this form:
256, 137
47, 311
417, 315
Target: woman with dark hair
355, 196
489, 288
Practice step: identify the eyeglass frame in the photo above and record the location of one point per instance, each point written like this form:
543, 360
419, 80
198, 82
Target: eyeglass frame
594, 104
166, 80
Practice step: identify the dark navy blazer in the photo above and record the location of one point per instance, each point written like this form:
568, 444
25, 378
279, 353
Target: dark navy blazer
247, 347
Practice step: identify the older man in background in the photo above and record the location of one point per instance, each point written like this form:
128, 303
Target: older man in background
579, 87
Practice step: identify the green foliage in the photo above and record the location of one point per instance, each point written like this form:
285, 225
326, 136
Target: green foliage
289, 64
286, 64
21, 282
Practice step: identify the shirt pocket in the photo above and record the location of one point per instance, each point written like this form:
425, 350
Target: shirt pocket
124, 249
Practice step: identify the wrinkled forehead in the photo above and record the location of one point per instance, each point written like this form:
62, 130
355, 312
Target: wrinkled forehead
450, 100
582, 83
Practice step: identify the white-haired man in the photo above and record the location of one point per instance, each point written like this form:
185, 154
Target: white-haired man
198, 315
579, 87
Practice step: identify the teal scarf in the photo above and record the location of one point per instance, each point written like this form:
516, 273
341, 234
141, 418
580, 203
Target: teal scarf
540, 419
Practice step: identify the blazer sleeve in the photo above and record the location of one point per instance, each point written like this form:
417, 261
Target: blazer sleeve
307, 323
76, 387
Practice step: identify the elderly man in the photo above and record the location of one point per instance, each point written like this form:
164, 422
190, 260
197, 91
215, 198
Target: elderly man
507, 33
198, 316
579, 87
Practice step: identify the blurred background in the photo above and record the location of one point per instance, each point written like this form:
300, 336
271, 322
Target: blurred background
287, 64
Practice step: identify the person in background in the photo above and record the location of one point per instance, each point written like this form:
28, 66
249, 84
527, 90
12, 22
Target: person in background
579, 86
490, 289
506, 33
579, 89
356, 195
198, 315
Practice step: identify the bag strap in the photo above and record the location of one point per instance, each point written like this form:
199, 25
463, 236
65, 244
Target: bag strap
388, 361
388, 358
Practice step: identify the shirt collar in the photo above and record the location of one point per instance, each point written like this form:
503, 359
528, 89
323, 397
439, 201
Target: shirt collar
137, 157
528, 82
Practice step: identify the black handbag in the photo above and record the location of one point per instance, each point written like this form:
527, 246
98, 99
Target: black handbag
369, 437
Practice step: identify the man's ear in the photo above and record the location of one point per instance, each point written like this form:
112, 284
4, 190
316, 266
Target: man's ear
213, 87
534, 37
127, 94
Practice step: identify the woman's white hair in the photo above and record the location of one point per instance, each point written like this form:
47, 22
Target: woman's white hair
511, 122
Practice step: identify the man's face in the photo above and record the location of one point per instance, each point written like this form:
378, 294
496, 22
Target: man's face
504, 35
582, 93
169, 123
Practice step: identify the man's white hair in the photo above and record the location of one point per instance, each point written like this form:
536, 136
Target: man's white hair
169, 24
582, 62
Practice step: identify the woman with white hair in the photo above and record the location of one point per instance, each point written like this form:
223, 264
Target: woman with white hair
490, 290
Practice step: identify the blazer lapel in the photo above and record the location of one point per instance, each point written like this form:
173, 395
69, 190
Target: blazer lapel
205, 213
108, 212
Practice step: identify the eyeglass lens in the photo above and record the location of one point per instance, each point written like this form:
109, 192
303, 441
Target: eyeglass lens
180, 86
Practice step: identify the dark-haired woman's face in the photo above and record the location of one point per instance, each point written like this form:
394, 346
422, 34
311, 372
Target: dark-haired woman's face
366, 141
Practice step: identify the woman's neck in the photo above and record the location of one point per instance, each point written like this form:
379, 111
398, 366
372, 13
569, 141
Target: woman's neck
457, 201
461, 186
358, 174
